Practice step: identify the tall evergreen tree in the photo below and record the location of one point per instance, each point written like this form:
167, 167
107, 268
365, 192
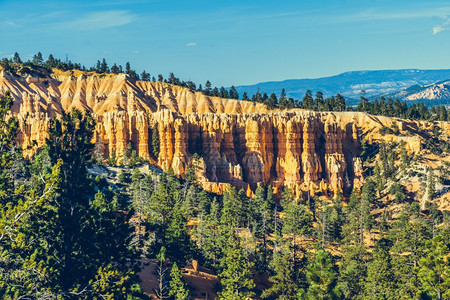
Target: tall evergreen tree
233, 93
352, 271
51, 62
127, 68
207, 89
308, 102
223, 92
380, 281
155, 142
177, 286
235, 276
340, 103
297, 222
8, 131
434, 271
322, 278
319, 102
16, 58
114, 69
104, 66
37, 59
178, 240
284, 277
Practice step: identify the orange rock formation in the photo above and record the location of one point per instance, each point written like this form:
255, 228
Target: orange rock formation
239, 142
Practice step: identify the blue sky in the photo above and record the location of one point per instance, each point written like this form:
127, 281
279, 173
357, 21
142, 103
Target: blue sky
233, 42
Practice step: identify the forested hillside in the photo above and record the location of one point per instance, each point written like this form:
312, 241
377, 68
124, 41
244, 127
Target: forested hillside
68, 234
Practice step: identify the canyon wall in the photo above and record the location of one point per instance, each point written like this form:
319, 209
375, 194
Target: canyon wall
237, 142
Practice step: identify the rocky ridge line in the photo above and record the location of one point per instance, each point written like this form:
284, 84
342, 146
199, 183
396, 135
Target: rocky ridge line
239, 142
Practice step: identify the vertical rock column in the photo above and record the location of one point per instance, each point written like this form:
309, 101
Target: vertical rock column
180, 156
165, 120
291, 160
334, 158
310, 159
252, 161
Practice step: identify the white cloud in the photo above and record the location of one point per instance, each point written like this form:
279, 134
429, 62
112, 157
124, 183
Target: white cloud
10, 23
102, 20
444, 26
191, 44
437, 29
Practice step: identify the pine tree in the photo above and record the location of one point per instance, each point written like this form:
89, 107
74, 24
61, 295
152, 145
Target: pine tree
155, 141
215, 92
115, 69
207, 89
260, 219
142, 188
37, 59
178, 240
232, 212
431, 184
272, 101
352, 271
284, 277
322, 278
340, 102
16, 58
207, 234
8, 131
233, 93
308, 102
358, 217
319, 101
330, 222
78, 237
362, 105
223, 92
379, 282
177, 286
145, 76
104, 67
235, 276
51, 62
434, 271
408, 233
297, 222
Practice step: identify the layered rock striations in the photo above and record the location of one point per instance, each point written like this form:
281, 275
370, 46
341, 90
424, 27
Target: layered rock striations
237, 142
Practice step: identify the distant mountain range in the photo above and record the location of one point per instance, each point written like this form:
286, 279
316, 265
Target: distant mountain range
432, 86
435, 93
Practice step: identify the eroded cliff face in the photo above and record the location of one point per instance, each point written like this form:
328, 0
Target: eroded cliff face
237, 142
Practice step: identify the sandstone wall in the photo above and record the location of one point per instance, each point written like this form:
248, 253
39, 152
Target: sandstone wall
238, 142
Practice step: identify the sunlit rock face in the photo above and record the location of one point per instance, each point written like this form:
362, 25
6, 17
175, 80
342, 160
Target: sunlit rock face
237, 142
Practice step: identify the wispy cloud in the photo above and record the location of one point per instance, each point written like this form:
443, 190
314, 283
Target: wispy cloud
10, 23
102, 20
444, 26
375, 14
437, 29
191, 44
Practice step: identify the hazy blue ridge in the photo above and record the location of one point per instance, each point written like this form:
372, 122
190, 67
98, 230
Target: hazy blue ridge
350, 84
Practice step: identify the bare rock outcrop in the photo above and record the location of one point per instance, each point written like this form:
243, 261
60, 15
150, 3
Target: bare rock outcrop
230, 141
